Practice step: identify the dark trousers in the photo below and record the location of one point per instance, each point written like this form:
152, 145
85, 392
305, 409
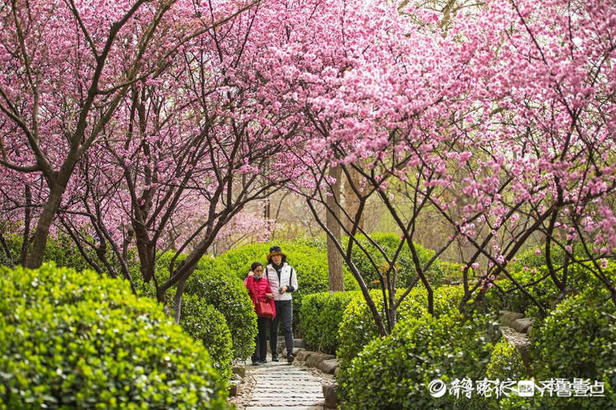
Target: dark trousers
261, 339
284, 319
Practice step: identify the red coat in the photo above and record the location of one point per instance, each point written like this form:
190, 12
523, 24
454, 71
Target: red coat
257, 290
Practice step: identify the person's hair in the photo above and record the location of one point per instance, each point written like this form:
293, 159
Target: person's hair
255, 265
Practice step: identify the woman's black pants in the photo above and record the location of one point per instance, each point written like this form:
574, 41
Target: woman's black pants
261, 339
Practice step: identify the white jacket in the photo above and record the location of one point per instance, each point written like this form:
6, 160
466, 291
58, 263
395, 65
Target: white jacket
288, 278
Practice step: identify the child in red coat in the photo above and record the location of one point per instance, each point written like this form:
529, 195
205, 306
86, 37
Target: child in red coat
259, 290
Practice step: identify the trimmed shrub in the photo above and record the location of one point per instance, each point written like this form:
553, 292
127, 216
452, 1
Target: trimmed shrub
310, 266
505, 363
161, 268
203, 322
438, 272
534, 281
542, 288
227, 294
357, 328
394, 372
528, 258
75, 340
320, 317
60, 249
448, 272
578, 339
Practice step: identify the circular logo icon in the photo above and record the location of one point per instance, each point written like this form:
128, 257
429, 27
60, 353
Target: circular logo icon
437, 388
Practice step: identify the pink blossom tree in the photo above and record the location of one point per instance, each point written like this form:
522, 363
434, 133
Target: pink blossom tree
66, 66
191, 147
543, 128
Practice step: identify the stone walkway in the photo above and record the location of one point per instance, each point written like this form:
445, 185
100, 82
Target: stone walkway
279, 385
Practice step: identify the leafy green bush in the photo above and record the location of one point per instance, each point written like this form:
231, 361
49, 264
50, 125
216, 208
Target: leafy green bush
227, 293
537, 282
75, 340
60, 249
505, 363
438, 272
357, 328
203, 322
394, 372
320, 317
578, 339
530, 259
310, 266
448, 272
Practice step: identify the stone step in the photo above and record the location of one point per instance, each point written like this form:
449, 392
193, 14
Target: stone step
279, 385
519, 340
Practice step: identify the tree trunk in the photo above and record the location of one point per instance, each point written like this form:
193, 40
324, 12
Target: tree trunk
351, 202
35, 257
27, 223
334, 259
6, 249
177, 301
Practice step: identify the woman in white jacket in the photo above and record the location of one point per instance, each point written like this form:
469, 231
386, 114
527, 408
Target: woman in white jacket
283, 281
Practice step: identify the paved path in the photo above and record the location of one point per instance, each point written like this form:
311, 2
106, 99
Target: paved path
283, 386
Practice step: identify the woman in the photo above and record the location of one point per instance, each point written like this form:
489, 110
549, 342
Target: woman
260, 291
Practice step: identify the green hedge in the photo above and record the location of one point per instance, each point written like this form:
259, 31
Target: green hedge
545, 291
439, 273
394, 372
60, 249
528, 258
203, 322
320, 317
212, 282
70, 339
310, 265
404, 263
505, 363
578, 339
357, 327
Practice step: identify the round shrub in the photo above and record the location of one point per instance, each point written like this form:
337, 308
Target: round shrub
394, 372
506, 362
578, 339
229, 296
203, 322
75, 340
60, 249
161, 268
447, 272
310, 266
320, 317
534, 281
389, 242
538, 283
357, 327
530, 259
